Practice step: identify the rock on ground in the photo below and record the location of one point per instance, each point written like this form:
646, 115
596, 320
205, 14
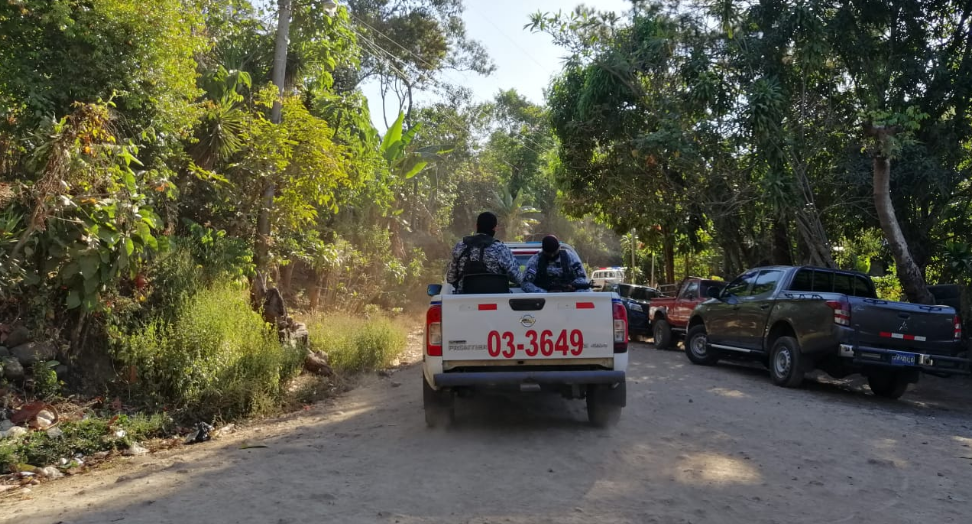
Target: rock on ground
19, 335
317, 364
12, 368
33, 352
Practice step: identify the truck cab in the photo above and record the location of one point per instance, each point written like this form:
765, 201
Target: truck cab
670, 315
573, 343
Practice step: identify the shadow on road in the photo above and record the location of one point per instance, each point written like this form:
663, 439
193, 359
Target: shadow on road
695, 444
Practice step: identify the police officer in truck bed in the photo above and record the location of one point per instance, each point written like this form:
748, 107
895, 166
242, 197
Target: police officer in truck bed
554, 269
482, 254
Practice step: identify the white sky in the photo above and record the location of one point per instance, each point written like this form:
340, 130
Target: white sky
524, 60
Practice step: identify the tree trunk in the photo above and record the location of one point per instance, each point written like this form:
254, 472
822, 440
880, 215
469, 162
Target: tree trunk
315, 296
781, 243
815, 239
397, 245
286, 277
278, 75
912, 281
669, 249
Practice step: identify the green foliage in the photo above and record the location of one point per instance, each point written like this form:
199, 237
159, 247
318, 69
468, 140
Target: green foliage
91, 435
888, 287
758, 130
216, 359
46, 384
56, 53
358, 269
92, 219
356, 344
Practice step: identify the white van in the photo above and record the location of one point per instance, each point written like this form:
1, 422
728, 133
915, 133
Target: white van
606, 276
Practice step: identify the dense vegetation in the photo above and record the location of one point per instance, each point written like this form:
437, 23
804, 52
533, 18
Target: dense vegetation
740, 132
154, 157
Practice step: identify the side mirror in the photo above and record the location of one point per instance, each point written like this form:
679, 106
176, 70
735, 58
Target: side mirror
434, 289
713, 292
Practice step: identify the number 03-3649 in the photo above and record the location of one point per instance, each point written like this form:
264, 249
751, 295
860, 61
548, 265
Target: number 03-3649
544, 343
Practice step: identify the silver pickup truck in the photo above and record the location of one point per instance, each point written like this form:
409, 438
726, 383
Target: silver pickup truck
795, 319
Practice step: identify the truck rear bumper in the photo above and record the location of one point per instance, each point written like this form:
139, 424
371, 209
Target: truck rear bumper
871, 356
498, 378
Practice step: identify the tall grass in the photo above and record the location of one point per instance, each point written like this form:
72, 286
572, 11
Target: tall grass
356, 344
216, 358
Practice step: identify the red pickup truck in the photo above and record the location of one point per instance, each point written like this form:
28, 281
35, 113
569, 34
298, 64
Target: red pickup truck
670, 315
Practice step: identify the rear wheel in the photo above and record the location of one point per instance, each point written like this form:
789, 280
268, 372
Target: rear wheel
697, 347
888, 384
662, 332
604, 404
786, 363
439, 406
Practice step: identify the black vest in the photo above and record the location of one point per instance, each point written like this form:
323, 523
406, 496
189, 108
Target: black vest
544, 281
470, 266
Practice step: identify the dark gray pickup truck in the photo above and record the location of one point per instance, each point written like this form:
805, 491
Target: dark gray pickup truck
795, 319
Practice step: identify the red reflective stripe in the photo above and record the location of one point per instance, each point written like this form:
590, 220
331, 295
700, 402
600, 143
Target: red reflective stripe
585, 305
487, 307
902, 336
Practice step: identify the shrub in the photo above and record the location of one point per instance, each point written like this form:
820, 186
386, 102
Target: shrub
46, 384
888, 287
356, 344
87, 436
216, 359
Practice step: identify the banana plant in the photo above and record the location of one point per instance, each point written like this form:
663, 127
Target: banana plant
404, 160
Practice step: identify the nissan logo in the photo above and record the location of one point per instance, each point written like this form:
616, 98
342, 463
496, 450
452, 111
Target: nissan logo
527, 321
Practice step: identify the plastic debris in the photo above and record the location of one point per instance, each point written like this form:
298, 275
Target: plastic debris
51, 472
44, 420
134, 451
201, 433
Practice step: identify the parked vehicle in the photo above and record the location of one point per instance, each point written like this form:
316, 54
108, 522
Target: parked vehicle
573, 343
637, 302
670, 315
795, 319
607, 275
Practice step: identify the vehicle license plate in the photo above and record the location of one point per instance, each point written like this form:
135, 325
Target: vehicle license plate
903, 359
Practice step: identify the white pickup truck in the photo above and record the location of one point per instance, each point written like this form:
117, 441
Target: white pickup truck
575, 344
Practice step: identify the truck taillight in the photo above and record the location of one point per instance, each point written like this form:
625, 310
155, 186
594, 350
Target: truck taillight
433, 331
958, 327
620, 328
842, 312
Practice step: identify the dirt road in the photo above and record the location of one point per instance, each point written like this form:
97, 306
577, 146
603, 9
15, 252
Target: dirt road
703, 445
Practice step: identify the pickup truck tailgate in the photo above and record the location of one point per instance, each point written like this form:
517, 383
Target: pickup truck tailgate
527, 327
902, 325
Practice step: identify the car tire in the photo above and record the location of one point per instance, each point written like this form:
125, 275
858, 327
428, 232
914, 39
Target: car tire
662, 331
786, 363
888, 384
697, 348
604, 404
439, 406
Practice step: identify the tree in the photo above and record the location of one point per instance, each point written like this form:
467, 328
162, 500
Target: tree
744, 117
513, 215
411, 43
